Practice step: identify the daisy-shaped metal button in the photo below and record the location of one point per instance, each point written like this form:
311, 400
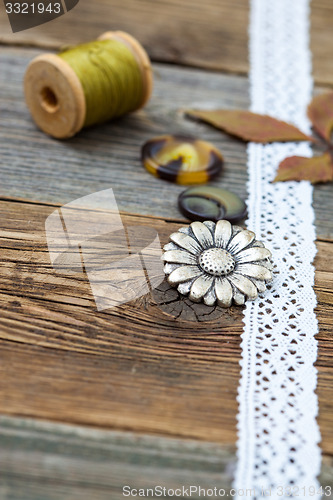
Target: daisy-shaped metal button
217, 263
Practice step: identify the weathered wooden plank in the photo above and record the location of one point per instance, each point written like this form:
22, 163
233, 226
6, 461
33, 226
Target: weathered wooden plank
211, 34
321, 40
36, 167
132, 367
41, 460
129, 368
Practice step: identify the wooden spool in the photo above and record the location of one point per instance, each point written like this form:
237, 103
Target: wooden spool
54, 94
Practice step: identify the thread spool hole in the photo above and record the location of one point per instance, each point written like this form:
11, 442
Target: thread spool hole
49, 100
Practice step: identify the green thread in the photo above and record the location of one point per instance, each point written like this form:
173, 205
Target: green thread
110, 77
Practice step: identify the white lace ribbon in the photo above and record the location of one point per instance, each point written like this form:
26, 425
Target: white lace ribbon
278, 433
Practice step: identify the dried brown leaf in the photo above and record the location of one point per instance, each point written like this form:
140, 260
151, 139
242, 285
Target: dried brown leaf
297, 168
250, 126
320, 112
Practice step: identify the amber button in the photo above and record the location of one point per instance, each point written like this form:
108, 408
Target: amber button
180, 159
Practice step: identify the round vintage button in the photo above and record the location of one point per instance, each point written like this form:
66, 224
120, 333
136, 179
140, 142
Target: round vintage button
211, 203
217, 263
181, 159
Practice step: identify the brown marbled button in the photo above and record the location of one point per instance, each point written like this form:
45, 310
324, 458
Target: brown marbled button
181, 159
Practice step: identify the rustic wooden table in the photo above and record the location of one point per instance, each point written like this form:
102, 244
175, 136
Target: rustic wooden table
91, 401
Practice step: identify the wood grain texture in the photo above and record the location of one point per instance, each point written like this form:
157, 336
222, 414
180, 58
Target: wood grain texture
133, 368
36, 167
41, 460
129, 368
44, 461
211, 34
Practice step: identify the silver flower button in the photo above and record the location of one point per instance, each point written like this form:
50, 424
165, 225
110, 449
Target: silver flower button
217, 263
